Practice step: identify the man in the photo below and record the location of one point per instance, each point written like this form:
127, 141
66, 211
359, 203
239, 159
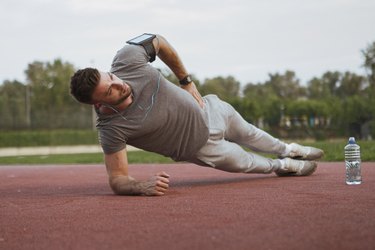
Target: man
136, 105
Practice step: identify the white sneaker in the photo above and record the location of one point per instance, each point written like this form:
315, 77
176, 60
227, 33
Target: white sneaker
296, 168
303, 152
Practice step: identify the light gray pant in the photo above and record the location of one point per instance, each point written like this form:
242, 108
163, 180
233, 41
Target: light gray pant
228, 132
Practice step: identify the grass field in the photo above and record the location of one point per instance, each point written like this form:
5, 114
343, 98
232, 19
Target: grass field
334, 151
95, 158
57, 137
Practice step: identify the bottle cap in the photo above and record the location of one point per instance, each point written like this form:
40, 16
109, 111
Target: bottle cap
351, 140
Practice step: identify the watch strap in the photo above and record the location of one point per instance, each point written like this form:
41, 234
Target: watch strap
186, 80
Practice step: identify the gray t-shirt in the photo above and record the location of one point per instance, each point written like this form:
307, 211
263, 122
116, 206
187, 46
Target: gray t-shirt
163, 118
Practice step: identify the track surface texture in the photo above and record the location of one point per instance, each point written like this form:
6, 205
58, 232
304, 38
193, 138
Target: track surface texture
72, 207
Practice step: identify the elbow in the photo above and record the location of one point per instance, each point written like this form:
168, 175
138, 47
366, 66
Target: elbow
160, 44
115, 187
122, 185
160, 37
115, 190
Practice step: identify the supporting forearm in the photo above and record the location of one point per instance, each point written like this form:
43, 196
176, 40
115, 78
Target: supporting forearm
125, 185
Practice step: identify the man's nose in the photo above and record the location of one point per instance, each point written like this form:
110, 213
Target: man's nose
118, 84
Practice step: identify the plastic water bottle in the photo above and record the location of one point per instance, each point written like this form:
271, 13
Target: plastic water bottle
353, 162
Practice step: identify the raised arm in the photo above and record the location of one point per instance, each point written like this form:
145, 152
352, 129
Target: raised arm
170, 57
123, 184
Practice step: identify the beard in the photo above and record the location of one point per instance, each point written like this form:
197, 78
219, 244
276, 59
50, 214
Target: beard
124, 97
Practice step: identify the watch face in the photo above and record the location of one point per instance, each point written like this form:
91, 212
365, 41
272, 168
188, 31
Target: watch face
188, 79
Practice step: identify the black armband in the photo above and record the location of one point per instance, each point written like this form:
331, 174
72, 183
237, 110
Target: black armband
146, 41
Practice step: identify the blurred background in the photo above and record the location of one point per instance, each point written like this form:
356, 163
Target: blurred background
297, 69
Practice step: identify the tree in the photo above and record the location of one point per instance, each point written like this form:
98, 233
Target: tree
286, 86
249, 109
13, 105
369, 63
350, 85
260, 92
52, 105
325, 86
226, 88
356, 113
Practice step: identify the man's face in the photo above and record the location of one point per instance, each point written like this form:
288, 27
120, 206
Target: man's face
111, 90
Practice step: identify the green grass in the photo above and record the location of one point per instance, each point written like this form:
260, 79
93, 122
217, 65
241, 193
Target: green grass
334, 151
95, 158
57, 137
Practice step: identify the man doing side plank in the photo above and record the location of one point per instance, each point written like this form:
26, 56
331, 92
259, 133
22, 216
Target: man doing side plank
137, 106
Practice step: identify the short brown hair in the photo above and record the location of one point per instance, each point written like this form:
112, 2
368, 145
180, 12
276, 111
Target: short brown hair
83, 84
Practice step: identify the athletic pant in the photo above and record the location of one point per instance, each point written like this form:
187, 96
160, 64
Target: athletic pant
228, 132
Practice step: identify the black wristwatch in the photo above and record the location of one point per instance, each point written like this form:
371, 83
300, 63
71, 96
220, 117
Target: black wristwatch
186, 80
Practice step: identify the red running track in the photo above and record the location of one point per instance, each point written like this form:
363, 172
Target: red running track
72, 207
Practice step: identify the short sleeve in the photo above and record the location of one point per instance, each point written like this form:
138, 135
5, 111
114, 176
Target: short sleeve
130, 57
111, 140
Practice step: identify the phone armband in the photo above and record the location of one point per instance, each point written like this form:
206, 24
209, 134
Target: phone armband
146, 41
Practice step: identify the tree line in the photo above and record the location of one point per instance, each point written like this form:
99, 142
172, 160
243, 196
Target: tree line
334, 104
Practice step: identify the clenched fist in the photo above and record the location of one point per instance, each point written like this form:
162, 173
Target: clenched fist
156, 185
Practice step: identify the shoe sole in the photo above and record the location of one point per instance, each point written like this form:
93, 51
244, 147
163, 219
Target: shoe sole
307, 173
307, 158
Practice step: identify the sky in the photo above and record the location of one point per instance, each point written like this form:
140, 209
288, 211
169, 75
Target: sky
246, 39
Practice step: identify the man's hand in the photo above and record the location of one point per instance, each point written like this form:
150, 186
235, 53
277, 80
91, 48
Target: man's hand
192, 89
123, 184
156, 185
126, 185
